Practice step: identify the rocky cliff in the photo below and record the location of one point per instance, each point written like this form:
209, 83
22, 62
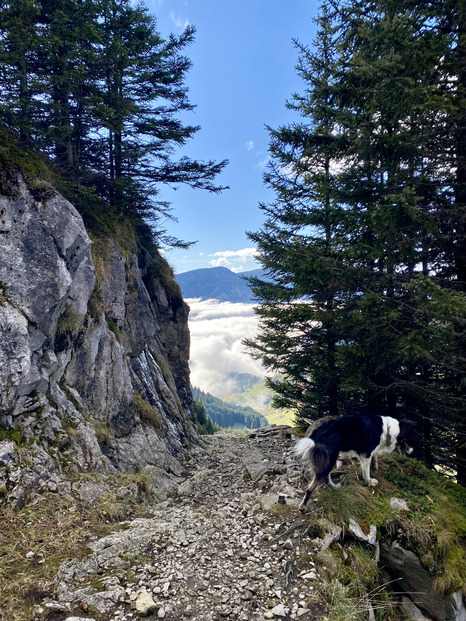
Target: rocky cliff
94, 350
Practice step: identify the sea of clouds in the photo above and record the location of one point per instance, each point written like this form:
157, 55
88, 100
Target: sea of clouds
217, 331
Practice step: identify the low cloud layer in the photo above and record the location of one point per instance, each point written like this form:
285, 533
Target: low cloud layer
217, 330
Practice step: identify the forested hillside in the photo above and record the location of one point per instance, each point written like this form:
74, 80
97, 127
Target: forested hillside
227, 415
365, 239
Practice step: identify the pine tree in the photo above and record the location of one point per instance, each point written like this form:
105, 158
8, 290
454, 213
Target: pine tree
302, 247
368, 308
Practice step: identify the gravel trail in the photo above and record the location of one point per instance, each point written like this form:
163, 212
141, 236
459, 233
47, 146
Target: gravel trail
227, 546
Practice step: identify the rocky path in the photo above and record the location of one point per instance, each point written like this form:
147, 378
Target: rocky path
222, 548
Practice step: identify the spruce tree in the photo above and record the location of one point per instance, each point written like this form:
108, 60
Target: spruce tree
142, 93
302, 247
369, 310
94, 86
18, 65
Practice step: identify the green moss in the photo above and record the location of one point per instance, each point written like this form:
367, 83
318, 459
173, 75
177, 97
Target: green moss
453, 576
146, 412
113, 327
15, 435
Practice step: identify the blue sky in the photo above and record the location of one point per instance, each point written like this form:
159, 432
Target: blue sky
243, 72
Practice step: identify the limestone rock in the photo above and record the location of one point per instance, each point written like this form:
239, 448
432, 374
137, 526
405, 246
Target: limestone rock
370, 536
399, 504
405, 567
7, 452
145, 605
72, 369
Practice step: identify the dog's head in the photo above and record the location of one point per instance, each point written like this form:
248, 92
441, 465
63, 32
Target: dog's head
405, 440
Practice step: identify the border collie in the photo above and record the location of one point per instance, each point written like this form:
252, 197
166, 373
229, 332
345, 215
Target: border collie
358, 435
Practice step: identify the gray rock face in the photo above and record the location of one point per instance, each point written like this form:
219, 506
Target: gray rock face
404, 566
96, 373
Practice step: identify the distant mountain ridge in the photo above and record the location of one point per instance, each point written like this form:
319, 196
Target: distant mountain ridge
229, 415
217, 282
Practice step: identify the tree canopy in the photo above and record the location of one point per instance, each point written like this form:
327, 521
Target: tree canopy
95, 87
365, 239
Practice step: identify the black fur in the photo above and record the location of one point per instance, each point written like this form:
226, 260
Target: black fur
363, 435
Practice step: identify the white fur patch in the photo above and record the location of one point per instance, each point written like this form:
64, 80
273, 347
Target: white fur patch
389, 437
303, 446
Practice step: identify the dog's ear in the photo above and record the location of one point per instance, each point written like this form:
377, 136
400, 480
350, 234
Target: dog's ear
409, 423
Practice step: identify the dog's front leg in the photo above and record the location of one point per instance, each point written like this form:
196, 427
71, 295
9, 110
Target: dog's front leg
307, 495
366, 471
332, 484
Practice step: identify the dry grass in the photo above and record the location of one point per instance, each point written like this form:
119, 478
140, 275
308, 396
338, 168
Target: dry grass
55, 530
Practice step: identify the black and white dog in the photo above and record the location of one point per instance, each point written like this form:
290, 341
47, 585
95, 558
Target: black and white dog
358, 435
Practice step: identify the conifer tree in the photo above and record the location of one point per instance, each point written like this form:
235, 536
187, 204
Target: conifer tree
94, 86
302, 246
18, 59
386, 310
142, 95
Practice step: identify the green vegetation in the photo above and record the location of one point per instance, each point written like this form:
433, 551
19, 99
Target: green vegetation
55, 530
363, 246
15, 435
146, 412
103, 431
228, 416
204, 422
255, 394
434, 528
111, 139
68, 322
350, 584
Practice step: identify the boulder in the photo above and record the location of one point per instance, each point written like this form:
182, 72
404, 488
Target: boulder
416, 584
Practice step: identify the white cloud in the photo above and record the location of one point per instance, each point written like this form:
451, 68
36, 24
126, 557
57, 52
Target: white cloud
180, 23
250, 145
233, 259
217, 330
263, 161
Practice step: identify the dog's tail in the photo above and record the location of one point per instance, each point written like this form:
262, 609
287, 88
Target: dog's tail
306, 448
303, 446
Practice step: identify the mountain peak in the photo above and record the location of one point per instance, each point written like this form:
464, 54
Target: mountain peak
215, 282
